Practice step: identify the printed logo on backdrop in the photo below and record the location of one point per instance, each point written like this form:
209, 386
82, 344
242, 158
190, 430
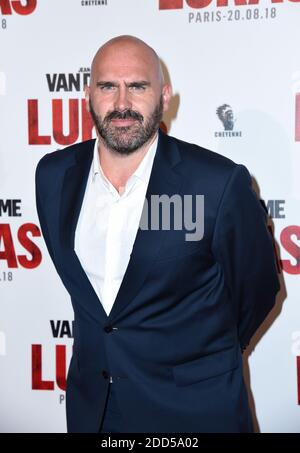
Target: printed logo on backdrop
10, 8
49, 362
209, 11
64, 110
226, 116
18, 249
288, 238
93, 2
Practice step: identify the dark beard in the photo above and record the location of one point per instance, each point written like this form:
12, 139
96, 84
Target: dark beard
125, 140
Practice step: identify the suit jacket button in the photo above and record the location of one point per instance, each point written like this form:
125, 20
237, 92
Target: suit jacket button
105, 374
108, 329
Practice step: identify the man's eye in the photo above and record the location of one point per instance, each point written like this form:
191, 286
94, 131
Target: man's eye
107, 87
137, 87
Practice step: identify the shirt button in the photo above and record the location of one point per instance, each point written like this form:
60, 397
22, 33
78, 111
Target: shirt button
108, 329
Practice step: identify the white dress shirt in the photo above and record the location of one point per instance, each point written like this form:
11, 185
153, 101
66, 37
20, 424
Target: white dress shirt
107, 226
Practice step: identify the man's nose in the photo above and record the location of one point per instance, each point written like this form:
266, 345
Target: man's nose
122, 101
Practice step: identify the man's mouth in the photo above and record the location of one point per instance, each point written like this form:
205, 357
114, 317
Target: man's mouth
123, 122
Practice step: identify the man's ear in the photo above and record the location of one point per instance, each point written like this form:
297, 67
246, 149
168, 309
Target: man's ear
167, 95
87, 97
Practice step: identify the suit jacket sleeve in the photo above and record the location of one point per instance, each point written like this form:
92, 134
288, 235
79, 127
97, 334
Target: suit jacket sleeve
40, 209
243, 245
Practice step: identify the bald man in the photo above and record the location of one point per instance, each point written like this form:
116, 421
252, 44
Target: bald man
164, 249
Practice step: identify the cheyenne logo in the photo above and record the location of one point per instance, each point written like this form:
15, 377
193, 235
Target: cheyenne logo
78, 116
226, 116
8, 7
178, 4
93, 2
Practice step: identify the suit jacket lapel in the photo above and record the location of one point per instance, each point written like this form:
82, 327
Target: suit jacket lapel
163, 180
73, 189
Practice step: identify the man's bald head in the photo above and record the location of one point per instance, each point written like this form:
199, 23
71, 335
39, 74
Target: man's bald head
127, 94
127, 45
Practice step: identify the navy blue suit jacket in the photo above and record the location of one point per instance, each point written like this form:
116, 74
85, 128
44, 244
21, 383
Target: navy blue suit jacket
185, 309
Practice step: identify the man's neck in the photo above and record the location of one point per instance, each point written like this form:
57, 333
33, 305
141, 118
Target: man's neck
117, 167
